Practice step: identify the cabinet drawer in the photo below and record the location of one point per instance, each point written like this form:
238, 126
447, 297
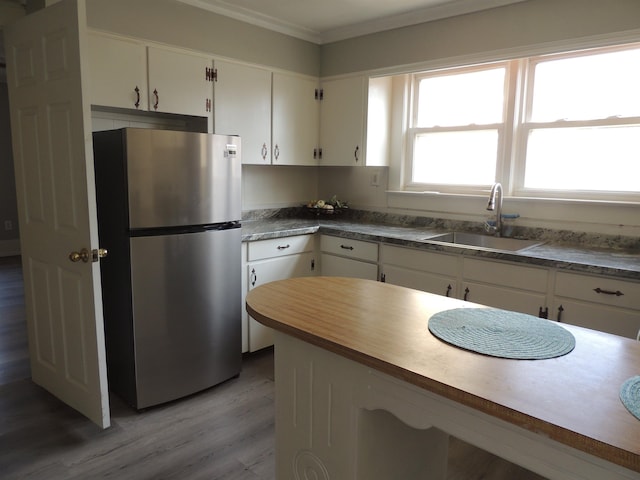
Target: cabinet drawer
603, 290
349, 248
332, 265
513, 276
279, 247
420, 260
419, 280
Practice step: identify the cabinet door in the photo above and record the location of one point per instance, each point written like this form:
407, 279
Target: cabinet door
342, 113
265, 271
118, 72
334, 266
295, 118
242, 107
503, 297
427, 282
618, 321
179, 82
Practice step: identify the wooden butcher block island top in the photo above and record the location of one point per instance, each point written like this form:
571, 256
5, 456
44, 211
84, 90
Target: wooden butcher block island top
573, 399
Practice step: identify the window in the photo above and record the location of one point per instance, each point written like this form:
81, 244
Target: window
564, 125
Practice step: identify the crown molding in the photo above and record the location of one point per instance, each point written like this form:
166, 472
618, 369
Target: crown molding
429, 14
450, 8
256, 18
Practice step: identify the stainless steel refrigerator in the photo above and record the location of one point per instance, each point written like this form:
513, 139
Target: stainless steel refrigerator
169, 210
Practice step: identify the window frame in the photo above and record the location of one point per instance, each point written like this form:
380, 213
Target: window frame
413, 131
513, 135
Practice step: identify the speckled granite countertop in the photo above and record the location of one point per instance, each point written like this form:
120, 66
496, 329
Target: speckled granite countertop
562, 255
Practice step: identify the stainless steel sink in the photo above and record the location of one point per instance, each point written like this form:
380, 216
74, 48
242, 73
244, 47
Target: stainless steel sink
484, 241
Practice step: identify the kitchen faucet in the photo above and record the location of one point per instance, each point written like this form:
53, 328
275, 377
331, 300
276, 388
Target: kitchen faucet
495, 197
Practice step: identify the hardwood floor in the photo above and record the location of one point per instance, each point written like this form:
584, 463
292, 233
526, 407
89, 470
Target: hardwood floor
226, 432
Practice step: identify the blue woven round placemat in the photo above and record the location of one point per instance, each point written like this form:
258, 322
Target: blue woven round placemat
630, 395
501, 333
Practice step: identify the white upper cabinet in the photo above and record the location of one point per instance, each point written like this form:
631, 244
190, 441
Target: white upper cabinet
354, 121
180, 82
243, 107
276, 114
128, 74
295, 120
118, 72
342, 121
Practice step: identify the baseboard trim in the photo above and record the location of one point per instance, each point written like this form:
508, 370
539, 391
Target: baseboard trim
9, 248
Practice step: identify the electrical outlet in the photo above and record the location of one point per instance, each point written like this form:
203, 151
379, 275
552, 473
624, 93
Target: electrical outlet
8, 225
375, 180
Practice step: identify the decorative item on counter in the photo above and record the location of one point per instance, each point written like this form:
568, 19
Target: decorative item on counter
328, 207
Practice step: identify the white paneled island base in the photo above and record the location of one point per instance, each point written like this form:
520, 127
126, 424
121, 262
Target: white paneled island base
364, 391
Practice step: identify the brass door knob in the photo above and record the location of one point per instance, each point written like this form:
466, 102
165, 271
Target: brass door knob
98, 253
81, 255
84, 255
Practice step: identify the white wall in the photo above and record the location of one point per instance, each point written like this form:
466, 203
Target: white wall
267, 186
182, 25
527, 28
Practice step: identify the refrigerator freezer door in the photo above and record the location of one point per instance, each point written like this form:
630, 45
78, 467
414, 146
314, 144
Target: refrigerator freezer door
182, 178
186, 297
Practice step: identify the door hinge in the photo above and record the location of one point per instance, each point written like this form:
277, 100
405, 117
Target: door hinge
319, 94
211, 74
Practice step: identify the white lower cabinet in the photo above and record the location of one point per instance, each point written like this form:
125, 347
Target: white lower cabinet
271, 260
427, 271
508, 286
600, 303
343, 257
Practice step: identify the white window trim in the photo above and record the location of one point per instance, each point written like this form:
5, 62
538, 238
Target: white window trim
511, 156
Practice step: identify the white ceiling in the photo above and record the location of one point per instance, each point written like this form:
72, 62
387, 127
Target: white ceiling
323, 21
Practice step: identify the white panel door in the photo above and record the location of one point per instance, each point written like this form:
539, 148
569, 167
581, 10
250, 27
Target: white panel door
51, 133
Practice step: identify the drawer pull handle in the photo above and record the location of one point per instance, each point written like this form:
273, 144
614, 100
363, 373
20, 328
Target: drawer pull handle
254, 277
617, 293
283, 247
466, 293
346, 247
